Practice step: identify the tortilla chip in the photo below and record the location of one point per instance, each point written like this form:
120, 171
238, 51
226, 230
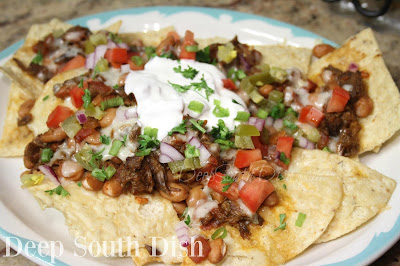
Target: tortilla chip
317, 197
31, 85
363, 50
93, 216
14, 138
42, 109
365, 191
149, 38
285, 56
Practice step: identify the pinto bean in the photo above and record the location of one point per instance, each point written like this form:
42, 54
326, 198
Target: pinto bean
196, 194
218, 251
177, 193
71, 170
165, 45
261, 169
108, 118
26, 108
179, 207
272, 200
363, 107
91, 183
93, 139
217, 197
54, 135
245, 176
322, 49
113, 188
266, 89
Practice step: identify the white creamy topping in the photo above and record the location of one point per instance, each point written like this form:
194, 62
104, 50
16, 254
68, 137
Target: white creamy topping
161, 106
323, 99
112, 76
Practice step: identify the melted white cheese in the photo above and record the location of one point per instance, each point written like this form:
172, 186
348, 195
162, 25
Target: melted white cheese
161, 106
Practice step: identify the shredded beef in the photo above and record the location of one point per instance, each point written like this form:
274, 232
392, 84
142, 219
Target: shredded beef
158, 171
99, 88
26, 119
32, 153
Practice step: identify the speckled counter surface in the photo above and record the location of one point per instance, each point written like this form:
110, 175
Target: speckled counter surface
314, 15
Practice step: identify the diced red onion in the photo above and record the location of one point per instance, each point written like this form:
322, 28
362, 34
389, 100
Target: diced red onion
111, 45
81, 117
182, 232
269, 121
310, 146
49, 173
125, 68
204, 153
171, 152
278, 124
257, 122
303, 142
99, 52
165, 158
90, 61
353, 67
241, 184
123, 45
277, 155
327, 76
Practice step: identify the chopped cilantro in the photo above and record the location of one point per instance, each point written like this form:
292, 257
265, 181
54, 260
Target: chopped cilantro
204, 55
38, 59
300, 219
188, 73
102, 174
87, 98
95, 158
225, 144
105, 140
278, 111
137, 60
221, 131
114, 37
187, 220
234, 101
180, 88
181, 128
46, 97
191, 151
289, 124
185, 212
80, 84
59, 191
150, 52
282, 225
280, 176
79, 183
202, 85
116, 86
227, 180
284, 186
148, 140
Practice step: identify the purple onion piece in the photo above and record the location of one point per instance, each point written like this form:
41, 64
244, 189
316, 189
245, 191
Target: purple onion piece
81, 117
171, 152
90, 61
353, 67
111, 45
310, 146
165, 159
99, 52
269, 121
49, 173
303, 142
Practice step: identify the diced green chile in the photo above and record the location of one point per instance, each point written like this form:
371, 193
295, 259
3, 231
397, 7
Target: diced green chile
244, 142
84, 158
189, 164
71, 126
246, 130
276, 96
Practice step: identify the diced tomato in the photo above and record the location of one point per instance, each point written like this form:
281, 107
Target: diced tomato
117, 55
254, 193
245, 157
258, 145
116, 65
189, 40
59, 114
76, 62
76, 96
339, 99
229, 84
310, 114
199, 250
285, 145
84, 133
135, 67
215, 184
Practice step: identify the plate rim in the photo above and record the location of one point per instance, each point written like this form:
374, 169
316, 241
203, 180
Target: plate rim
379, 244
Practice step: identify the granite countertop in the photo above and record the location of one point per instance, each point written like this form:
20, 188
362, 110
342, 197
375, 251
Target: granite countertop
328, 20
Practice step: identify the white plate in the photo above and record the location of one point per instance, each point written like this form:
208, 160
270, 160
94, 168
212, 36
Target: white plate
23, 220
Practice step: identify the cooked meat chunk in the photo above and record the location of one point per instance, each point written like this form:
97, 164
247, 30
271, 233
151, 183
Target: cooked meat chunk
32, 152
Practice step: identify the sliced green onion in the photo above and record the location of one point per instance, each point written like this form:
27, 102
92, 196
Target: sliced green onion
217, 102
197, 126
246, 130
114, 102
116, 146
240, 74
71, 126
196, 106
219, 111
262, 113
192, 48
242, 116
219, 233
191, 151
137, 60
244, 142
46, 155
300, 219
110, 171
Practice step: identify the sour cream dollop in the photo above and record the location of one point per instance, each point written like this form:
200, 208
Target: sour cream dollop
160, 106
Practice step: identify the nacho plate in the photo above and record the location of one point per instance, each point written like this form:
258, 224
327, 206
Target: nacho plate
375, 168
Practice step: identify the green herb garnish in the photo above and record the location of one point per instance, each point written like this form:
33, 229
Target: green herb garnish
137, 60
284, 159
80, 84
191, 151
59, 191
38, 59
219, 233
188, 73
105, 139
242, 116
148, 140
102, 174
300, 219
181, 128
282, 225
197, 125
46, 155
196, 106
289, 124
114, 37
46, 97
87, 98
79, 184
227, 180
